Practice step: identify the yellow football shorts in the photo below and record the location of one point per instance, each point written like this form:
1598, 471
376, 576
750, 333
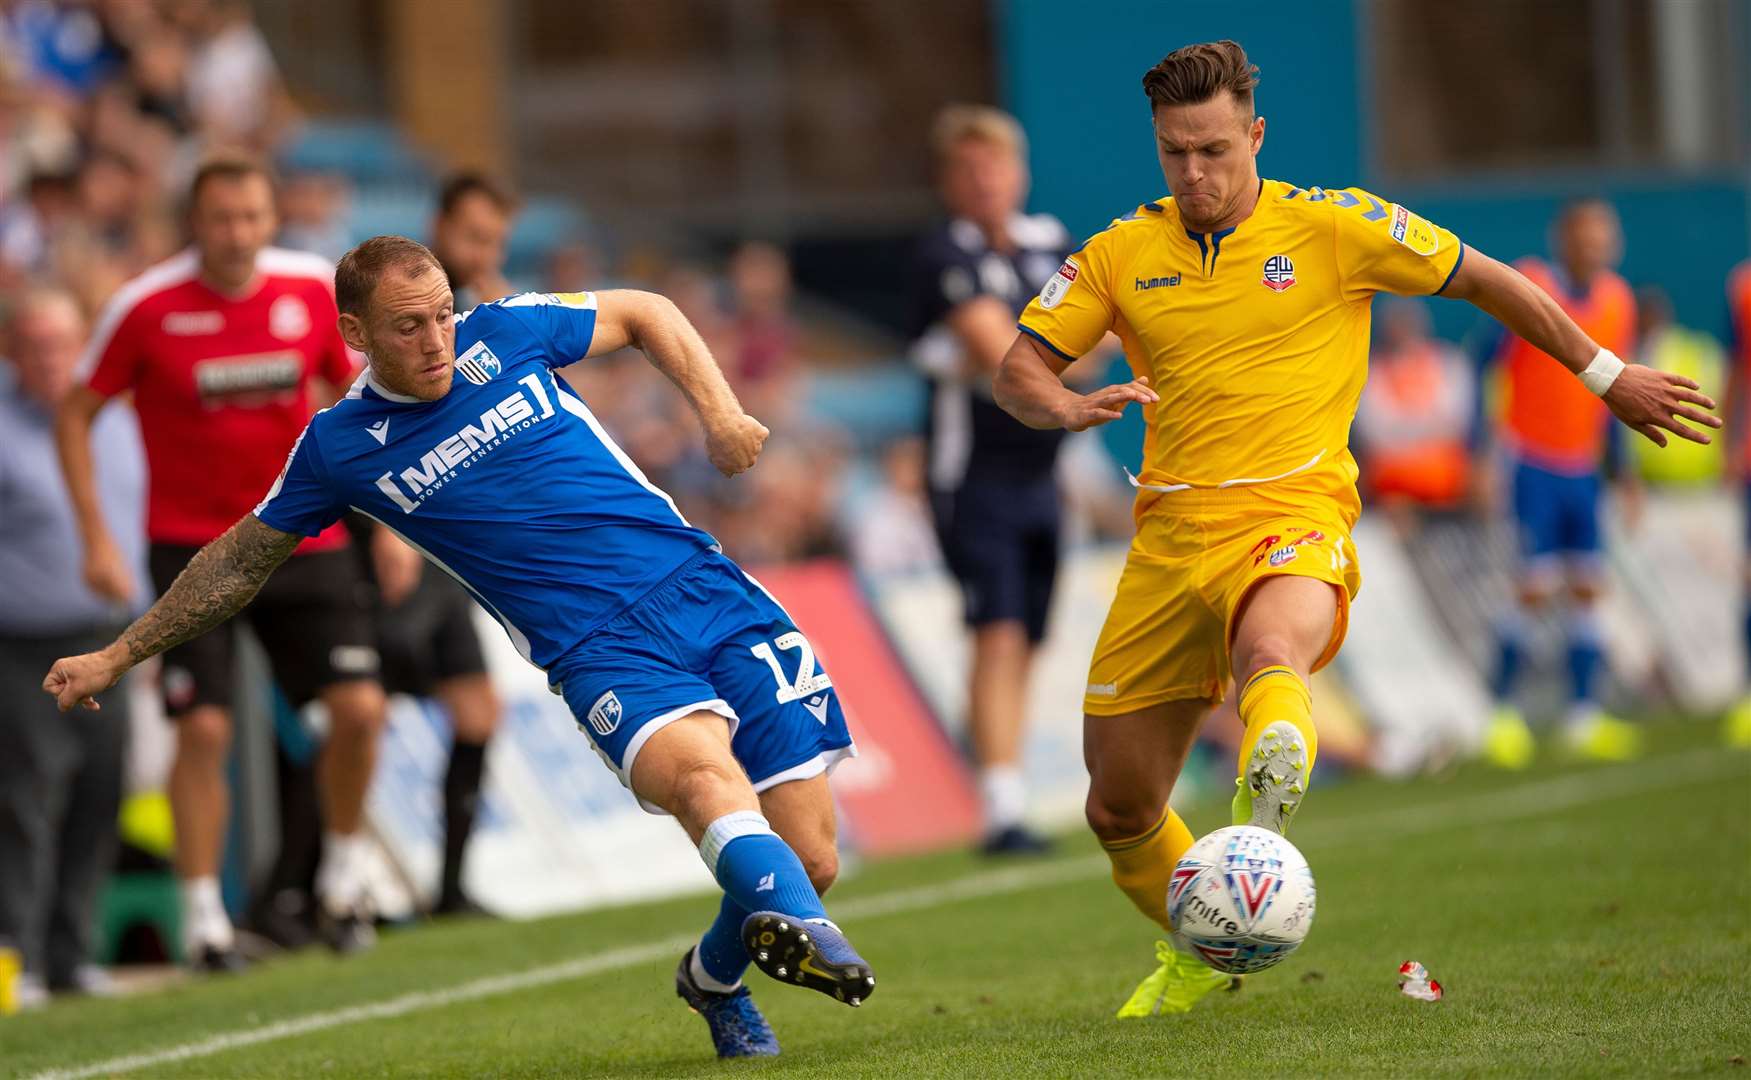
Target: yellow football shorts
1196, 556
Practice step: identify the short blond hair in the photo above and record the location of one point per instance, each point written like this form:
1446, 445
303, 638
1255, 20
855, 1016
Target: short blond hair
956, 124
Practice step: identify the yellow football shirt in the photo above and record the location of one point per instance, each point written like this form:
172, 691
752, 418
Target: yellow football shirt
1256, 337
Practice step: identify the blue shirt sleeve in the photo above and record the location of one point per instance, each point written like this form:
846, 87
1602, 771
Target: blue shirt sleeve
566, 321
301, 500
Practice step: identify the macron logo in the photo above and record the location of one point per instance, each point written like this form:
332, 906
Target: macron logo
766, 884
380, 431
817, 708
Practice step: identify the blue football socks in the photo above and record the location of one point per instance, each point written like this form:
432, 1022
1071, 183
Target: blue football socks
758, 872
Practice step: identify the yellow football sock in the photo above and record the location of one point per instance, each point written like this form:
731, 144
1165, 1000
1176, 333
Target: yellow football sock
1275, 693
1143, 865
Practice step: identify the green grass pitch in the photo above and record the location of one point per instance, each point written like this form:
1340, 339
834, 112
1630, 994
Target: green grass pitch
1585, 920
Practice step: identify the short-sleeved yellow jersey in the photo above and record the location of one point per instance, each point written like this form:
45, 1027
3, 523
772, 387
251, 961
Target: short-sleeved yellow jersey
1256, 337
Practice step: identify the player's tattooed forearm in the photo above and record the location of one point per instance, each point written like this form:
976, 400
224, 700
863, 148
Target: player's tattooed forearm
221, 578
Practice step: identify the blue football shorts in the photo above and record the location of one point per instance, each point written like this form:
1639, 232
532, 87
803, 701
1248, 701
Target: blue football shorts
1558, 516
708, 638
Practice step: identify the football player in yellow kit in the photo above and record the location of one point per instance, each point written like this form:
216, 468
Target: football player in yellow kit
1243, 305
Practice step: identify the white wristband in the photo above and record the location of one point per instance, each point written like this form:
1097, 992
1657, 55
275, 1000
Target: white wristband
1602, 372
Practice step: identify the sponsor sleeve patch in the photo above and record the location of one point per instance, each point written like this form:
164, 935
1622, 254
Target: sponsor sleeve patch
584, 301
1414, 232
1059, 284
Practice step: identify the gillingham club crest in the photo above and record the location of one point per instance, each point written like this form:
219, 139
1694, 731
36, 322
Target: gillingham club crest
478, 365
1279, 273
605, 714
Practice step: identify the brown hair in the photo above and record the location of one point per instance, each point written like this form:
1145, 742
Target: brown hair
956, 124
458, 186
359, 270
1197, 73
226, 165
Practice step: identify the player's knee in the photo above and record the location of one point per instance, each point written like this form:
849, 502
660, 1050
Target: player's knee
1270, 648
1536, 590
705, 788
204, 734
356, 709
474, 707
1116, 818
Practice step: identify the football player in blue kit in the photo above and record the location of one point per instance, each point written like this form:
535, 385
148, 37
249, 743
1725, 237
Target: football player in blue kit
694, 685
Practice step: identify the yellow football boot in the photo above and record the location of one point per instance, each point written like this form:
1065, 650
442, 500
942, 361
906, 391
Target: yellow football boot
1180, 982
1507, 741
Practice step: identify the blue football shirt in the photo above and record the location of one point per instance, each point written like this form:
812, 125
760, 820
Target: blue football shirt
508, 483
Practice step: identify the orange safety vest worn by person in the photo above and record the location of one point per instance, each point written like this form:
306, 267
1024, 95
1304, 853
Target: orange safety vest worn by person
1739, 308
1416, 413
1550, 419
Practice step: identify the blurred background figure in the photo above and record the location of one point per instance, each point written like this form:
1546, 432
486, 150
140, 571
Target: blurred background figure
232, 84
891, 532
60, 775
313, 213
1737, 442
469, 232
993, 489
1661, 342
763, 369
1413, 429
574, 266
225, 348
1556, 437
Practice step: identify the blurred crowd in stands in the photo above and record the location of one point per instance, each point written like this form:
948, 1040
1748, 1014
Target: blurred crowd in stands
105, 108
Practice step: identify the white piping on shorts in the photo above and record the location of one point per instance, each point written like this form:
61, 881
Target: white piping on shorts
1243, 482
656, 724
824, 762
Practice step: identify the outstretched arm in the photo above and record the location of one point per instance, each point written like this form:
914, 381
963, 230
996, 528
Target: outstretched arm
653, 325
1030, 388
1652, 402
221, 578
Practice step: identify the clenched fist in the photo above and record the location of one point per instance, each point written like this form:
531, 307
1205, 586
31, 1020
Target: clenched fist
734, 444
77, 680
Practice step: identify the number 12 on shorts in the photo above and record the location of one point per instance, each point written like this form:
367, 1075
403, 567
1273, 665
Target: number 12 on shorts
808, 680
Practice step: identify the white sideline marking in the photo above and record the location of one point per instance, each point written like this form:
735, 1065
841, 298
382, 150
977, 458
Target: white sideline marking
1523, 800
